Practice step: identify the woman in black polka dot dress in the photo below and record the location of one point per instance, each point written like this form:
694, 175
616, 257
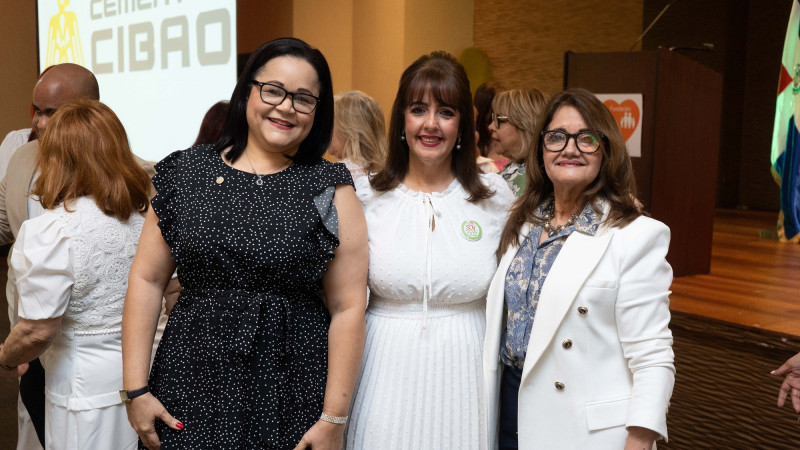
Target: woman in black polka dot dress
251, 356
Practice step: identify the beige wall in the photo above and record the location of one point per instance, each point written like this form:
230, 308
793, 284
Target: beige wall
328, 26
368, 43
437, 25
18, 66
378, 45
258, 21
526, 40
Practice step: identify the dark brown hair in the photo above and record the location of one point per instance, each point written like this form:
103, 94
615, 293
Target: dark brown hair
483, 105
211, 127
615, 182
444, 78
235, 130
84, 151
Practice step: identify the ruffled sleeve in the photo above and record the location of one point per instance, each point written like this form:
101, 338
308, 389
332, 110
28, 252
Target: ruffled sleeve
42, 264
164, 202
328, 176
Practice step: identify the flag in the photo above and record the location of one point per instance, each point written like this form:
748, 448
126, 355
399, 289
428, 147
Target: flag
785, 155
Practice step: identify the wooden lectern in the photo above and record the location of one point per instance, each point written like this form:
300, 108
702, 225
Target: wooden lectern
677, 173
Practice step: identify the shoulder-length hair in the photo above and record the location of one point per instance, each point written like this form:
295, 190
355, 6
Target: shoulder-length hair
482, 100
523, 107
235, 130
84, 151
359, 121
615, 182
444, 78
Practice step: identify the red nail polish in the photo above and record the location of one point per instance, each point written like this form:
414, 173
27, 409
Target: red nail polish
179, 425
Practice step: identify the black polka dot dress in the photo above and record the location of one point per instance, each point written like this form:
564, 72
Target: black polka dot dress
243, 359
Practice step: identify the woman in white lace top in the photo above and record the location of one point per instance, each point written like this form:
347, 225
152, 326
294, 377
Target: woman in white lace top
359, 133
71, 265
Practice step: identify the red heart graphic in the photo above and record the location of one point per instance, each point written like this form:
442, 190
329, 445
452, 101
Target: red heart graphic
626, 115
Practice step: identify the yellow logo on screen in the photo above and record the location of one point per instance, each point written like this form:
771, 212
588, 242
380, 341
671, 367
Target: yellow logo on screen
63, 39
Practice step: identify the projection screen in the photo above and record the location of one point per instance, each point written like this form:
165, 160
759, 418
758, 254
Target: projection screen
160, 64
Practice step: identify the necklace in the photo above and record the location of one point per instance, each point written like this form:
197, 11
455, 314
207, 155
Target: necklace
259, 181
548, 226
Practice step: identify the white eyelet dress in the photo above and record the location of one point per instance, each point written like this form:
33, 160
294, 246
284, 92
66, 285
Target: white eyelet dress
73, 263
432, 257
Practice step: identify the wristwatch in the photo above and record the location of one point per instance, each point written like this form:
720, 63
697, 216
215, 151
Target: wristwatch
126, 396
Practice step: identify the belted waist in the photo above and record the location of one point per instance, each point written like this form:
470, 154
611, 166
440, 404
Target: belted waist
381, 306
249, 305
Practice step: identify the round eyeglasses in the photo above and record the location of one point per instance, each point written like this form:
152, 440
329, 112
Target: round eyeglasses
586, 141
272, 94
498, 120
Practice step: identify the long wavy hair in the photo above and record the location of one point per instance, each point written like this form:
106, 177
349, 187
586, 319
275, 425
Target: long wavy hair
84, 151
359, 122
439, 74
234, 133
524, 108
615, 182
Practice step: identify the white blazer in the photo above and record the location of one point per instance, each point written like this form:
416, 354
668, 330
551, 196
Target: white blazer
599, 358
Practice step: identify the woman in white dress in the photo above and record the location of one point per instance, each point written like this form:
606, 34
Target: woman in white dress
434, 223
71, 266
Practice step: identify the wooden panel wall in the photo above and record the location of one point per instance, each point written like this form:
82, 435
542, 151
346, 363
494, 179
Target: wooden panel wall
18, 70
526, 40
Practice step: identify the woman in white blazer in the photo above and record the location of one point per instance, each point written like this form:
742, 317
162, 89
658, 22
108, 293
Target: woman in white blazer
578, 353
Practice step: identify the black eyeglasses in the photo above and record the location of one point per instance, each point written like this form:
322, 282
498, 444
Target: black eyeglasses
586, 141
498, 120
273, 94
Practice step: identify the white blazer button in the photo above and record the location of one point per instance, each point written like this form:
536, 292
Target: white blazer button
560, 386
583, 310
567, 343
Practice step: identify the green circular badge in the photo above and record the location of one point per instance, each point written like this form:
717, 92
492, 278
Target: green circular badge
471, 230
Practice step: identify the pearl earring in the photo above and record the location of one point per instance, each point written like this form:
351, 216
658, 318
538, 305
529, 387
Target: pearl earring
458, 144
403, 135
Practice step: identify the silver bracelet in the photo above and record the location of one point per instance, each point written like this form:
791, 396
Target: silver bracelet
333, 419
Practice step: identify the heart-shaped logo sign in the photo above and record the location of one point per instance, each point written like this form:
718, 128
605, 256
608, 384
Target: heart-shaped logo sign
626, 114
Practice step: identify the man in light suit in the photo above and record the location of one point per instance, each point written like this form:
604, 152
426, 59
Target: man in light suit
59, 85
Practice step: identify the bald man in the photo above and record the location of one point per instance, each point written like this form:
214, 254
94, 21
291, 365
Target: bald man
57, 86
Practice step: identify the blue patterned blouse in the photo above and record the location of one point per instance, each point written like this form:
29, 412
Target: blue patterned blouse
525, 278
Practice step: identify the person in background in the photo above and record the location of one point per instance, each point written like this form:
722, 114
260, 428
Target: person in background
211, 127
71, 265
57, 85
256, 225
578, 350
490, 160
513, 120
791, 383
359, 133
12, 142
434, 223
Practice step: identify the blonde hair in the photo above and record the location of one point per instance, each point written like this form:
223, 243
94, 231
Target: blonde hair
359, 121
524, 108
